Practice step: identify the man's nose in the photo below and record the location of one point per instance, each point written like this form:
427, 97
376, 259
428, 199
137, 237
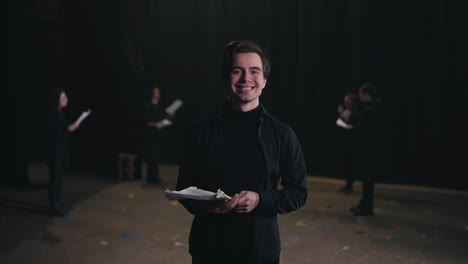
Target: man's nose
246, 76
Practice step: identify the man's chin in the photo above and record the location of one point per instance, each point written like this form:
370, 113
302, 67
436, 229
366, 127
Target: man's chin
243, 100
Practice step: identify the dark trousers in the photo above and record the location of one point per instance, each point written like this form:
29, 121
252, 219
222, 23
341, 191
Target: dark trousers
55, 187
366, 169
345, 159
153, 155
367, 199
349, 173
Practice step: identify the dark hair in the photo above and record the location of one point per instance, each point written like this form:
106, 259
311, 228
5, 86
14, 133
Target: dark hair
55, 99
243, 46
352, 96
368, 88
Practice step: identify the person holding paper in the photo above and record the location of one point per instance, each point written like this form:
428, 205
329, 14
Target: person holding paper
156, 119
365, 136
246, 152
60, 129
346, 120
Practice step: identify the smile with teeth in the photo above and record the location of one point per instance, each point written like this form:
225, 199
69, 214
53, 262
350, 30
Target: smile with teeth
246, 88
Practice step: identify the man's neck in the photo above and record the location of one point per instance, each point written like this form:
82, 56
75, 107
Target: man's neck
245, 107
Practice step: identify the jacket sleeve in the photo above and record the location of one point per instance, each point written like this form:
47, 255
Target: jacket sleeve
293, 173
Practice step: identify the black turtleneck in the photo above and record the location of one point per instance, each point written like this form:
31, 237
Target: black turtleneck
240, 169
242, 162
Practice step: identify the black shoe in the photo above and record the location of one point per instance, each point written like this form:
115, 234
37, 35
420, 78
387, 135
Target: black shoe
345, 190
362, 211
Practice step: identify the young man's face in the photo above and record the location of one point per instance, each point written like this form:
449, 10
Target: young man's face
246, 81
364, 96
156, 95
63, 100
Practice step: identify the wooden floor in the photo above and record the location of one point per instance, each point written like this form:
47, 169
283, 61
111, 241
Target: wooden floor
130, 222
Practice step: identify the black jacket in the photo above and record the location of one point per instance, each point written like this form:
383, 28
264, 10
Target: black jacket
284, 160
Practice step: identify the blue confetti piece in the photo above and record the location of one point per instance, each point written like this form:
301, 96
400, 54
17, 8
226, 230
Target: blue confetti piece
138, 237
124, 235
324, 228
395, 238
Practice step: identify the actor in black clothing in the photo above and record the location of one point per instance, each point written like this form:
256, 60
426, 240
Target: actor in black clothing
365, 137
246, 152
60, 129
153, 116
346, 113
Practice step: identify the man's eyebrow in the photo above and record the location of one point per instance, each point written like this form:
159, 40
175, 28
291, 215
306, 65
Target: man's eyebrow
250, 68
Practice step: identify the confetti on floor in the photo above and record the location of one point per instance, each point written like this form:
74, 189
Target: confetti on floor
300, 224
124, 235
324, 228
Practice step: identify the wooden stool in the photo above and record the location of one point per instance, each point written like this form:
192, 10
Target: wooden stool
127, 165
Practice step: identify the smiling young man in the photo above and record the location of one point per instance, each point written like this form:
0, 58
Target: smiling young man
244, 151
246, 81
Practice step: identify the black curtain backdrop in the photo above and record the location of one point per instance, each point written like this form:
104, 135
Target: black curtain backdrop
320, 50
413, 51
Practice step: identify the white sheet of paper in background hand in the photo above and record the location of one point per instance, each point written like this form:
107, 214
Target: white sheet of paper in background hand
166, 123
341, 123
174, 106
83, 116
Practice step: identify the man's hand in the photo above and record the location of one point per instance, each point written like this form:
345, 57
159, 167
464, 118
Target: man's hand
73, 127
247, 201
243, 202
222, 207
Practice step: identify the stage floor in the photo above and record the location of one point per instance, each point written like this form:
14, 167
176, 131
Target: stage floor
131, 222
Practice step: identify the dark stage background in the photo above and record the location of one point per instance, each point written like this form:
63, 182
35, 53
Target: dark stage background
105, 54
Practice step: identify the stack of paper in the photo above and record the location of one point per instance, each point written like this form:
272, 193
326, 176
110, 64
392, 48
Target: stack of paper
196, 194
